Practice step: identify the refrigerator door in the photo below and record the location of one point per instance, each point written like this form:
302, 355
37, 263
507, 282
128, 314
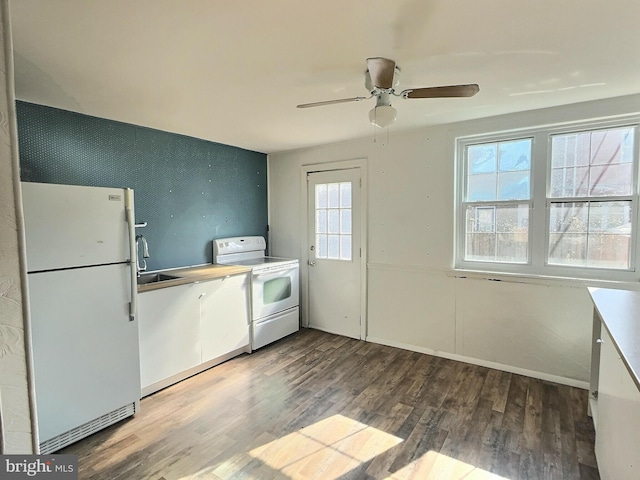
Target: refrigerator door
72, 226
85, 349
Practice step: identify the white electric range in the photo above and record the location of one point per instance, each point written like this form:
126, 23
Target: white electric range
275, 287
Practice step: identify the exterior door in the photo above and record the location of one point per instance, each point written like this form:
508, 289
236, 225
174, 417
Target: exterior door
334, 245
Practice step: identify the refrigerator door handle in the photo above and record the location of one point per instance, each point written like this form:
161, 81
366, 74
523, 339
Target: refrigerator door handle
133, 305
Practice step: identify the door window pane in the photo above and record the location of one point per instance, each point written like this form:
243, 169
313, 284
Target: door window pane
321, 220
333, 224
345, 194
334, 247
321, 246
334, 195
334, 220
321, 196
345, 221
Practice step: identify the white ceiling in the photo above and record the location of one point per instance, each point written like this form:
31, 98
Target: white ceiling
234, 71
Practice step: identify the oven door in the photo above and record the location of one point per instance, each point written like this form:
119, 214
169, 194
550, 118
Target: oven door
274, 289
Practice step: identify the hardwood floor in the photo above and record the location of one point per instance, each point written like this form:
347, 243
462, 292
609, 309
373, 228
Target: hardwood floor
320, 406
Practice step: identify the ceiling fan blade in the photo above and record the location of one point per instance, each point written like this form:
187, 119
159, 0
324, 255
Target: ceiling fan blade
381, 71
442, 92
331, 102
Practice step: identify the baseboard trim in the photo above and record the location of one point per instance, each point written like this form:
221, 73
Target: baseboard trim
484, 363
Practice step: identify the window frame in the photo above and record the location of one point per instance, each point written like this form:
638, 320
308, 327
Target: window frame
539, 219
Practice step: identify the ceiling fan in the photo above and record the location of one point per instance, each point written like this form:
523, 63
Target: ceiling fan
381, 78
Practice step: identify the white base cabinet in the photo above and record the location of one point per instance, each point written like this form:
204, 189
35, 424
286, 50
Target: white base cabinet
187, 328
224, 316
618, 424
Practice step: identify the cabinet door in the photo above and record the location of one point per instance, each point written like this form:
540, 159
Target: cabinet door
224, 316
618, 416
169, 320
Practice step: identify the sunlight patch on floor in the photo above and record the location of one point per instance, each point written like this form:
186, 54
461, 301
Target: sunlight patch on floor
437, 466
330, 449
325, 450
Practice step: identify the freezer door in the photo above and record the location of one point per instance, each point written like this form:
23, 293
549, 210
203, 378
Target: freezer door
70, 226
85, 349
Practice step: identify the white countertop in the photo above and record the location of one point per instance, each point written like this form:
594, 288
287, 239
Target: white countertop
620, 313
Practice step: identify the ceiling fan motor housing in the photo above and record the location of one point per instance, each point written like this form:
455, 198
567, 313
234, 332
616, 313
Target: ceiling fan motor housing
372, 89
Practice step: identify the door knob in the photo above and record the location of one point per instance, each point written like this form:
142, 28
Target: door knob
312, 263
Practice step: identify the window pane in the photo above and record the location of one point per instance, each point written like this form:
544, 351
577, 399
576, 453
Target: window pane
321, 196
513, 186
321, 221
498, 233
607, 146
515, 155
570, 150
590, 234
568, 249
593, 164
482, 158
345, 221
345, 194
334, 195
334, 247
334, 221
570, 182
345, 247
321, 246
481, 187
485, 220
568, 234
611, 180
499, 171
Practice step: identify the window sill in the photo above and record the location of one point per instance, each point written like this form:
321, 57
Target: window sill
542, 279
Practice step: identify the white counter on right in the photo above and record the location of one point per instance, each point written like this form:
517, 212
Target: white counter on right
615, 382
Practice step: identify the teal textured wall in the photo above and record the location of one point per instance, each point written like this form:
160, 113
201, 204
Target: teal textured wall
190, 191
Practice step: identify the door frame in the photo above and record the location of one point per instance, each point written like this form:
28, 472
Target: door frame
360, 164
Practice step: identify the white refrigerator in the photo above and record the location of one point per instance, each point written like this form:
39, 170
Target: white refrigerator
82, 295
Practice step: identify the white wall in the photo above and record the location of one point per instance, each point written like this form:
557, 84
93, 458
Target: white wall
15, 411
415, 299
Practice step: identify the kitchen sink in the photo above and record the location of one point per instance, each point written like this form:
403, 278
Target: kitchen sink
154, 278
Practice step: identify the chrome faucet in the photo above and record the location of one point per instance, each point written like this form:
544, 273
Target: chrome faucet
141, 267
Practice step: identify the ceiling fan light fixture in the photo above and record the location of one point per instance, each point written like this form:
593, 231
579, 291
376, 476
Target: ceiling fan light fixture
382, 115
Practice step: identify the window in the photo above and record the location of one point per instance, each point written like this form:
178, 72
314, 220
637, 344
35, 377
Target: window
333, 221
497, 203
549, 202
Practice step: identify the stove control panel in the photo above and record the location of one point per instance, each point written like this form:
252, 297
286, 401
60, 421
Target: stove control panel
226, 246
